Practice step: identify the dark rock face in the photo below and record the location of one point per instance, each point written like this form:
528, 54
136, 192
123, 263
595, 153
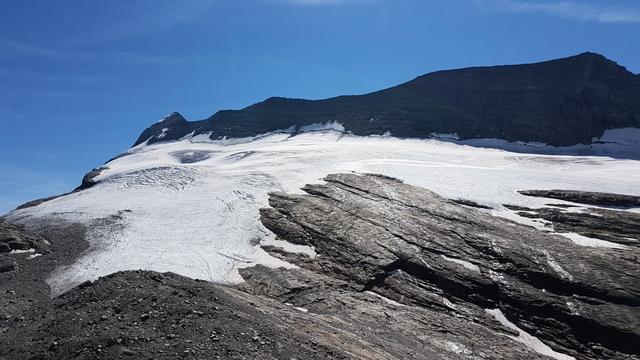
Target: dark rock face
586, 197
559, 102
375, 234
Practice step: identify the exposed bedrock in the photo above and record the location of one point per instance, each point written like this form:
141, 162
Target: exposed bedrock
621, 227
587, 197
376, 234
276, 314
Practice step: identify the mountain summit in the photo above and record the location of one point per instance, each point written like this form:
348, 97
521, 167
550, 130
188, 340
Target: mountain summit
559, 102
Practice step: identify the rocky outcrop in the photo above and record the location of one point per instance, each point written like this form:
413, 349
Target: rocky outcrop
15, 237
88, 179
87, 182
587, 197
620, 227
375, 234
560, 102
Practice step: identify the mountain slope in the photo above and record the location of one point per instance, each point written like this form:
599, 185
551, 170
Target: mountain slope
559, 102
191, 207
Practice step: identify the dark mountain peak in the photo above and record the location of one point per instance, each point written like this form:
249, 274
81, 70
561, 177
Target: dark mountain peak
592, 58
559, 102
576, 63
595, 64
173, 117
590, 55
168, 127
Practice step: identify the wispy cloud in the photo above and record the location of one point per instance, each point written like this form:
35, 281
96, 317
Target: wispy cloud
141, 18
150, 17
567, 9
328, 2
12, 48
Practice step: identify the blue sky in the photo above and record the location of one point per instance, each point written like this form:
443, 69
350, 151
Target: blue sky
79, 80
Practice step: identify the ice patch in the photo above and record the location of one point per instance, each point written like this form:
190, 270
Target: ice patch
457, 348
448, 136
33, 256
22, 251
556, 267
573, 308
525, 338
289, 247
200, 138
466, 264
588, 241
163, 133
385, 299
448, 303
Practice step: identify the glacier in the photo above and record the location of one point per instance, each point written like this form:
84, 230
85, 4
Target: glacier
191, 206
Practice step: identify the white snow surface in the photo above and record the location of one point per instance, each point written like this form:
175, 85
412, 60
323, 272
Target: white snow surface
593, 242
22, 251
163, 133
447, 136
331, 125
469, 265
527, 339
191, 206
620, 142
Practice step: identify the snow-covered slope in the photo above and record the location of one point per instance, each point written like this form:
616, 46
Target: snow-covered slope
617, 143
191, 207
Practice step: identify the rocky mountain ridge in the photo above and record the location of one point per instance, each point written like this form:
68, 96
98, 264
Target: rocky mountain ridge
559, 102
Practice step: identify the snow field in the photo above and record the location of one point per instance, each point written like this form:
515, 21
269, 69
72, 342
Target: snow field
191, 206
